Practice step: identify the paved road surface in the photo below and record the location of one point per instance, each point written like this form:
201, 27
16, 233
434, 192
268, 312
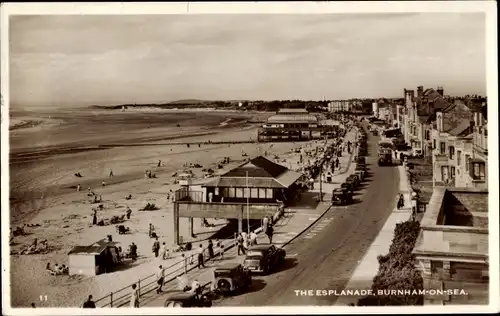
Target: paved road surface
325, 256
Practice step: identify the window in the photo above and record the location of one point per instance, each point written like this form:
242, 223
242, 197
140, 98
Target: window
230, 192
467, 162
479, 171
239, 192
459, 157
451, 149
433, 144
442, 146
269, 193
444, 173
254, 193
262, 193
452, 171
427, 135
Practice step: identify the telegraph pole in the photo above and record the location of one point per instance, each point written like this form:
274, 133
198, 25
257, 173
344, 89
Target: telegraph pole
321, 182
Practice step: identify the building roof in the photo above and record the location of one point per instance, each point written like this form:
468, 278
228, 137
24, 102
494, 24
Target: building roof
292, 118
461, 128
94, 249
292, 111
261, 172
430, 102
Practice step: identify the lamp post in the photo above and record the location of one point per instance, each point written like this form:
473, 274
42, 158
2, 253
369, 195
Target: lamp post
321, 182
248, 206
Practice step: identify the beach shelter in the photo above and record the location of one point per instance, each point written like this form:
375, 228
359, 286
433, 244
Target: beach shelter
92, 260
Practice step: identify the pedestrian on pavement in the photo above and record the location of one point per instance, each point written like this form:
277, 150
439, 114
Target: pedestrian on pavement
160, 275
221, 251
156, 247
200, 257
89, 303
134, 296
269, 233
210, 249
163, 251
265, 223
210, 197
241, 249
253, 238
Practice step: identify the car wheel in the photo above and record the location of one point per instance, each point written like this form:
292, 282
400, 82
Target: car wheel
224, 286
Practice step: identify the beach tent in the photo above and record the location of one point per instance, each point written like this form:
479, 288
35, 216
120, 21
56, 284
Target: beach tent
91, 260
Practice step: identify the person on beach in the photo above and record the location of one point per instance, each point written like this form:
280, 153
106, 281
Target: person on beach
151, 230
128, 212
78, 188
134, 297
103, 183
160, 278
200, 257
89, 303
94, 219
111, 173
159, 163
133, 251
156, 247
210, 249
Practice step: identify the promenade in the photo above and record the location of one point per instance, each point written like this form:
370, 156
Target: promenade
294, 221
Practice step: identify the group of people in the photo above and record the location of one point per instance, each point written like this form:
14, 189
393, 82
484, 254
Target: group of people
57, 269
162, 251
245, 241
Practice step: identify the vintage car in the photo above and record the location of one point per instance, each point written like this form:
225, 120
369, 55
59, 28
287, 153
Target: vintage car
230, 278
349, 186
341, 196
360, 174
353, 178
263, 258
187, 299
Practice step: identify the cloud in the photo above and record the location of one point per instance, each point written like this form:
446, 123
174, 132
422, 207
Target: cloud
114, 59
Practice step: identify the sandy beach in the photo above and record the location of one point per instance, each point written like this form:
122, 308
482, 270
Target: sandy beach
43, 186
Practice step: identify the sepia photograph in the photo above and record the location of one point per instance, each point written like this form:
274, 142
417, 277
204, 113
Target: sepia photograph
232, 157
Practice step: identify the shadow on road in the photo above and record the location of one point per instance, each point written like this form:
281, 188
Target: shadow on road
257, 285
289, 263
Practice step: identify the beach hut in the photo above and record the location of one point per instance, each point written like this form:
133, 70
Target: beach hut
93, 259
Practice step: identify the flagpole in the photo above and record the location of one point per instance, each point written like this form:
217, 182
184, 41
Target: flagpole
248, 206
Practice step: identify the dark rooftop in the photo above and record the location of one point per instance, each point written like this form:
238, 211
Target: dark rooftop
95, 248
257, 167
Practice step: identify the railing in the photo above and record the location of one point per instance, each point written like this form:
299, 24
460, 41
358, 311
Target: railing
147, 284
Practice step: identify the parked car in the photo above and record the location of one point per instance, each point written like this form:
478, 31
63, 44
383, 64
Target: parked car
230, 278
341, 196
187, 299
349, 186
263, 258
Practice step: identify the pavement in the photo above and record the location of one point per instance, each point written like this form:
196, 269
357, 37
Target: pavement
296, 219
325, 255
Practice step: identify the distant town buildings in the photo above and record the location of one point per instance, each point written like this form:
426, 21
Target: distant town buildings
340, 106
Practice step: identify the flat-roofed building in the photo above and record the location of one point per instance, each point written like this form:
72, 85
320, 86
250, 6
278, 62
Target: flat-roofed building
290, 125
452, 248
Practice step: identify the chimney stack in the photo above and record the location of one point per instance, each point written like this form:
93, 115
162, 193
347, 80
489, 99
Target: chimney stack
439, 121
440, 90
420, 91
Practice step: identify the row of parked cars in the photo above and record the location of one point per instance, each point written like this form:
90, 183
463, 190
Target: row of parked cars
344, 194
231, 278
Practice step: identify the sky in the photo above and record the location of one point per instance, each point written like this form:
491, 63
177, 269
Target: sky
103, 60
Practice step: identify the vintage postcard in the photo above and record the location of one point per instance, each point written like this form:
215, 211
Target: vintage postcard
238, 158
